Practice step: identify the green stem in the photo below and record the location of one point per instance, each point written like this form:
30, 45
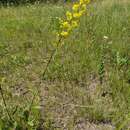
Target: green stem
4, 101
43, 75
51, 57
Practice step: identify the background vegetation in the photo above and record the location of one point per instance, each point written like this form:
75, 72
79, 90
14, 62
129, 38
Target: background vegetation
19, 2
89, 78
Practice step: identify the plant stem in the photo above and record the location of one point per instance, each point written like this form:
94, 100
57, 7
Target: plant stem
51, 57
4, 101
41, 120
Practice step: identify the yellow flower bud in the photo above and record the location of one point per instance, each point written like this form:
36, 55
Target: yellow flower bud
74, 24
65, 25
77, 15
69, 15
81, 2
83, 7
87, 1
64, 34
82, 12
75, 7
60, 20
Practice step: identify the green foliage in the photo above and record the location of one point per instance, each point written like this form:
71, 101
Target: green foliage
17, 2
15, 112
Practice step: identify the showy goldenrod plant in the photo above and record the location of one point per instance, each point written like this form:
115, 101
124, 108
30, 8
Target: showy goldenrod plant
68, 24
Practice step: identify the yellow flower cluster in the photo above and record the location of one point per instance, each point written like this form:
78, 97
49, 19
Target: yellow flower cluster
72, 18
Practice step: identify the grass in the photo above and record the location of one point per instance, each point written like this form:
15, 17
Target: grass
72, 89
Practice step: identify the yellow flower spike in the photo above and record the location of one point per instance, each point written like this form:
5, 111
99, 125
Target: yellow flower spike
71, 20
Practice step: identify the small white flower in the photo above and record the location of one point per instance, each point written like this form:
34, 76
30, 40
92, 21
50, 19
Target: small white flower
105, 37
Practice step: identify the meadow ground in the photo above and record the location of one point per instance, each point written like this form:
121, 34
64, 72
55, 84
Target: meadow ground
89, 78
